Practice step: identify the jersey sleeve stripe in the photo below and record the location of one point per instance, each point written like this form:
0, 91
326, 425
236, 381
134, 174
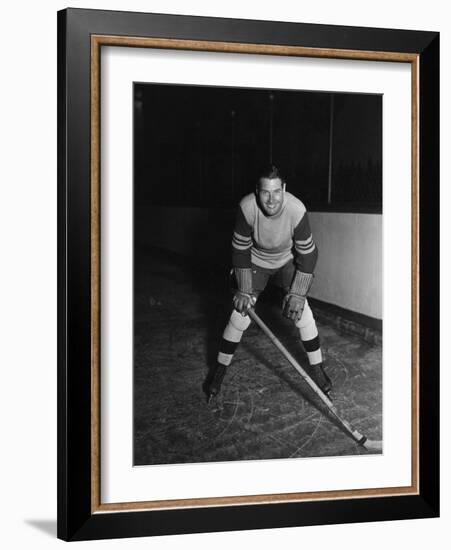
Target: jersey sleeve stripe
241, 238
307, 250
241, 247
306, 242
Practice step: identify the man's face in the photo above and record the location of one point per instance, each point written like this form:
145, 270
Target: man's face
270, 194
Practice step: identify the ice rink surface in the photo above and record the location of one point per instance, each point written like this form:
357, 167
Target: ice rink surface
265, 410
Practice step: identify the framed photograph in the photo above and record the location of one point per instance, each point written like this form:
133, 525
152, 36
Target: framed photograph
248, 274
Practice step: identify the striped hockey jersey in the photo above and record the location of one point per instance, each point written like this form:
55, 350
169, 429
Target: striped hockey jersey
270, 242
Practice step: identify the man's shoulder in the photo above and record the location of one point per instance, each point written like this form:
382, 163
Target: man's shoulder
248, 200
248, 204
294, 205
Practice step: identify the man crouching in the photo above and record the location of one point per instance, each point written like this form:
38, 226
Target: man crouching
272, 240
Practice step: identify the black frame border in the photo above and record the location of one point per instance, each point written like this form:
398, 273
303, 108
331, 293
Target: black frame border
75, 520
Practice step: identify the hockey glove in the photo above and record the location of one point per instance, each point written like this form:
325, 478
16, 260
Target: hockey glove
294, 302
243, 299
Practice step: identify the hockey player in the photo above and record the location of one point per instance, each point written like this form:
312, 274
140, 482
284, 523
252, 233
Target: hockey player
271, 240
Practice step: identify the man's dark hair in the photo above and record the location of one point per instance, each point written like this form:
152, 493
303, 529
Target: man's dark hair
271, 172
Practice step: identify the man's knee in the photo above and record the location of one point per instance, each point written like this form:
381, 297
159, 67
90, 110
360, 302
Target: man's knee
307, 318
239, 322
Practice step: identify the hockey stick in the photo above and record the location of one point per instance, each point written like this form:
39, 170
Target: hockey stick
370, 445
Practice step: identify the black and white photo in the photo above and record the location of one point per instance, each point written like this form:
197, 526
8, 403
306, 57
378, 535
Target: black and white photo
267, 200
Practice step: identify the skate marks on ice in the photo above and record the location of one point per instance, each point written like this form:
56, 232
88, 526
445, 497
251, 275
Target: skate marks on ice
264, 410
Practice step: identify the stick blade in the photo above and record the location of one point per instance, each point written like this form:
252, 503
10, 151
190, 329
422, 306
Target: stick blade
373, 445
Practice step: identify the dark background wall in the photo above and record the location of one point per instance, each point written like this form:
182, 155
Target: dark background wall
203, 146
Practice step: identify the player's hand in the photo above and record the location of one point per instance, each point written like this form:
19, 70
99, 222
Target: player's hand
293, 306
243, 301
